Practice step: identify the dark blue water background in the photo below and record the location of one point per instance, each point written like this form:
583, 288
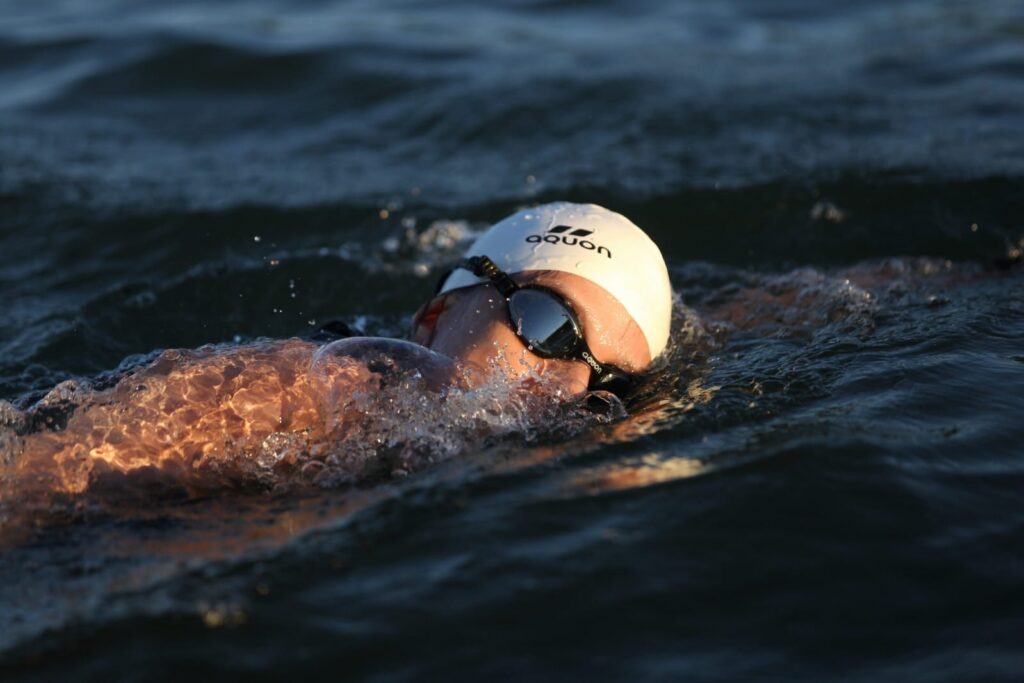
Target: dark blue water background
827, 481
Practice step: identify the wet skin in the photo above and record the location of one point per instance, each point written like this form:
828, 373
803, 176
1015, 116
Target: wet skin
176, 418
473, 326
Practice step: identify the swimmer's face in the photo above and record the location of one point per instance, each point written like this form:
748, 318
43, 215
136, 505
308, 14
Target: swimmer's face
472, 325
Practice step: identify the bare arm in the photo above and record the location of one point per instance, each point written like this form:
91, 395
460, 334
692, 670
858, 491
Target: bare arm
190, 411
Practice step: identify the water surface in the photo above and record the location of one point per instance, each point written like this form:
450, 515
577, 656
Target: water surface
821, 484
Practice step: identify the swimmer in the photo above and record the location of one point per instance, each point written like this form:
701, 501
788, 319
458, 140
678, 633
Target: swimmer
558, 301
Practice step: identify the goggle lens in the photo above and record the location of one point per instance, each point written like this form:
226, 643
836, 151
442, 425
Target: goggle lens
543, 322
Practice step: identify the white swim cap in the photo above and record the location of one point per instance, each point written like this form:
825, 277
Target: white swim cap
590, 241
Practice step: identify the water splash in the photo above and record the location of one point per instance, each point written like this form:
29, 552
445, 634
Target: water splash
423, 250
354, 412
414, 415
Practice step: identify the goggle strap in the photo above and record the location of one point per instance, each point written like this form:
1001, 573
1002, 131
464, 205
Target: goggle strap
481, 266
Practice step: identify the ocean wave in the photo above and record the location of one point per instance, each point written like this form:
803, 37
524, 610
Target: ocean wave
165, 111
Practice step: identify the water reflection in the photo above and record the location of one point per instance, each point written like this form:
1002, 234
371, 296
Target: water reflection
647, 470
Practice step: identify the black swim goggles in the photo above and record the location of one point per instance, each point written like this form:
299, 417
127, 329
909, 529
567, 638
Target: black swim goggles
546, 322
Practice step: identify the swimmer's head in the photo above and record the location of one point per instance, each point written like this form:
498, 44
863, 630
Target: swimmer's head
608, 269
588, 241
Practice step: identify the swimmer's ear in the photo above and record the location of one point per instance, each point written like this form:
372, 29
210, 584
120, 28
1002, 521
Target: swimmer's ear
417, 332
424, 321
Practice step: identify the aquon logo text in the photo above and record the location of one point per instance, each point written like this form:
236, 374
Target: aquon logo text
561, 234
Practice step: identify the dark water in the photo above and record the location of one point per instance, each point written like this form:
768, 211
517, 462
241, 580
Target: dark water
825, 482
